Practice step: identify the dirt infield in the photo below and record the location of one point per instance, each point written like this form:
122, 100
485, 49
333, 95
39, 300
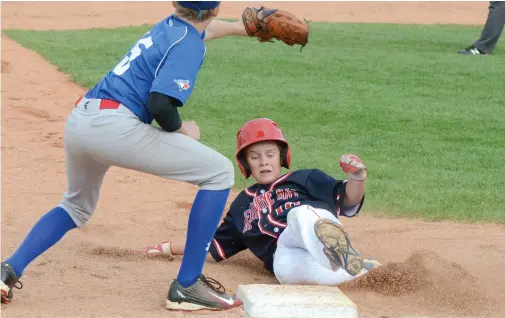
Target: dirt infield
437, 269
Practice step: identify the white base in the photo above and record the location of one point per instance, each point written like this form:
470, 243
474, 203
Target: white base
290, 301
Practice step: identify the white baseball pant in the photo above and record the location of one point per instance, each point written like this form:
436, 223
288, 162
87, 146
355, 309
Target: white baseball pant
299, 258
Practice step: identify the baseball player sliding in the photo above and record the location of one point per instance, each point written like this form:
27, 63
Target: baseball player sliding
111, 126
289, 221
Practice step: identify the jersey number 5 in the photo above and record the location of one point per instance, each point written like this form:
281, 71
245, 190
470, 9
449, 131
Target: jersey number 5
124, 65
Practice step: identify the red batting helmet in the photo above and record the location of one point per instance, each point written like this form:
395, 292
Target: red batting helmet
256, 130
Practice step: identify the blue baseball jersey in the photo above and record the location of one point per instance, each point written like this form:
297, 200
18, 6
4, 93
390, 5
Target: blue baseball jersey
165, 60
258, 215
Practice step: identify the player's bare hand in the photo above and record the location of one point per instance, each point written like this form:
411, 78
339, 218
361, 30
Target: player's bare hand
191, 129
353, 166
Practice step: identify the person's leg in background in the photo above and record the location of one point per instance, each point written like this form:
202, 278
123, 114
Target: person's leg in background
490, 33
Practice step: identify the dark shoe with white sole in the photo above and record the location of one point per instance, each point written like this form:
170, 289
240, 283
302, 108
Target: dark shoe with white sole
205, 294
9, 280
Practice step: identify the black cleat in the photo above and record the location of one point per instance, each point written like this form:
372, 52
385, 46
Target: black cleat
9, 280
472, 50
201, 295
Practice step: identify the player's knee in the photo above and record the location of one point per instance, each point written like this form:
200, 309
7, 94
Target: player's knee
283, 277
79, 214
285, 269
223, 176
293, 219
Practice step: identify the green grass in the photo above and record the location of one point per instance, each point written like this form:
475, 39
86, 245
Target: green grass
430, 124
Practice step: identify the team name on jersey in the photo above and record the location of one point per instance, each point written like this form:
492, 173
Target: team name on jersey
265, 203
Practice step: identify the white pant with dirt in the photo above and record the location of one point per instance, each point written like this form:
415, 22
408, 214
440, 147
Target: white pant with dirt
299, 258
98, 137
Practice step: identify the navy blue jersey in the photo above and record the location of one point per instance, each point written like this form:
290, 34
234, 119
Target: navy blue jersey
258, 215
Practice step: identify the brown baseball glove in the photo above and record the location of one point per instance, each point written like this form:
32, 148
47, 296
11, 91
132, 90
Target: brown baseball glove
266, 24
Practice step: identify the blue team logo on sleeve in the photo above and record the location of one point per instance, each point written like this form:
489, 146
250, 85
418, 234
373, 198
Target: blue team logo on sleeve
183, 84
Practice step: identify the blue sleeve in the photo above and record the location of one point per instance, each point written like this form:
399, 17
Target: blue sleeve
326, 188
177, 72
227, 241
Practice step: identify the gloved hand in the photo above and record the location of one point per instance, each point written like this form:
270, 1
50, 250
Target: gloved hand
266, 24
353, 167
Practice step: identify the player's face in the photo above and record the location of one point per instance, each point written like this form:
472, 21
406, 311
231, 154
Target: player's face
264, 159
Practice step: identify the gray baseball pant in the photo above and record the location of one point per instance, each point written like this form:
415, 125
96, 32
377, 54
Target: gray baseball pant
96, 139
493, 27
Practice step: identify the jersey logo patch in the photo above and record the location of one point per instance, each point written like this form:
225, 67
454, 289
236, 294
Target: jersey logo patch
183, 84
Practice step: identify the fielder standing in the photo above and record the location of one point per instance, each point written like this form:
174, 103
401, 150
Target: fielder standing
111, 126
